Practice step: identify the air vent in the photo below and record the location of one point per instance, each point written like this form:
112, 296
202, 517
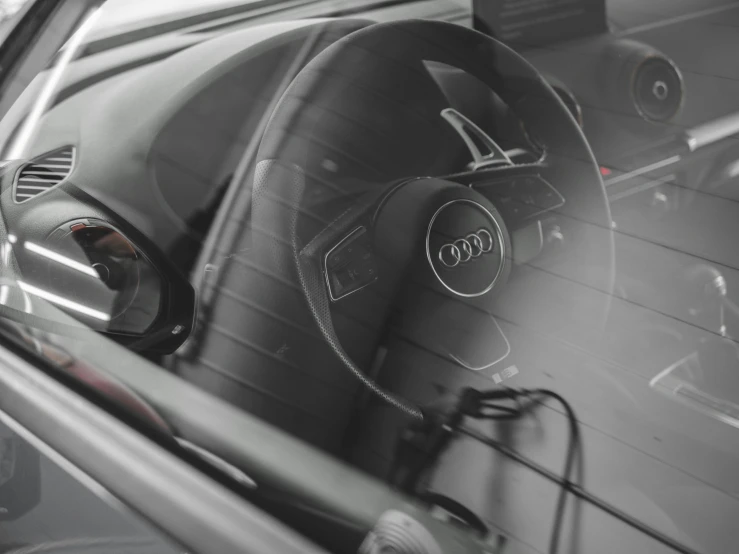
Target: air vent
43, 173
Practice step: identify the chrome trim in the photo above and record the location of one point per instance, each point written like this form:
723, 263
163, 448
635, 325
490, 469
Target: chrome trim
355, 231
465, 246
643, 170
501, 241
660, 90
480, 368
516, 152
462, 125
712, 131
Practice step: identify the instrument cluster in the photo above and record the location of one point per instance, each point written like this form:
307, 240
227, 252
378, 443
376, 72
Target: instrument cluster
90, 269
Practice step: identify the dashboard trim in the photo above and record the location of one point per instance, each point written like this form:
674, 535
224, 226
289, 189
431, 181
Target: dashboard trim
34, 160
712, 132
642, 170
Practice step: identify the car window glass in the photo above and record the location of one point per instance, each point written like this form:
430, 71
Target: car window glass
44, 508
334, 216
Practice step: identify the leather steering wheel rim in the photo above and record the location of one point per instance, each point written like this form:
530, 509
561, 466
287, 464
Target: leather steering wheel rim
283, 173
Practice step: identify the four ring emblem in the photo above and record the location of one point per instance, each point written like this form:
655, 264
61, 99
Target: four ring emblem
464, 249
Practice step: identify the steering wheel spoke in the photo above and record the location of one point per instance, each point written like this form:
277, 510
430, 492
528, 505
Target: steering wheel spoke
521, 194
344, 249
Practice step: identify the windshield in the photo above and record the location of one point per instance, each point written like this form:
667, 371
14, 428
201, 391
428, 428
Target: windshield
337, 216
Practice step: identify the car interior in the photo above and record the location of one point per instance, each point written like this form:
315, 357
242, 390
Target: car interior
333, 218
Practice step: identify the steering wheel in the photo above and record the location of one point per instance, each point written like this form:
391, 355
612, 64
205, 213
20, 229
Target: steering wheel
359, 206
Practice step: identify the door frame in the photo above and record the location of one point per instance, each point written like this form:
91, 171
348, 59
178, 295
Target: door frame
103, 452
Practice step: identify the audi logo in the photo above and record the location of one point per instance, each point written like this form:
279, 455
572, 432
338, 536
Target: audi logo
464, 249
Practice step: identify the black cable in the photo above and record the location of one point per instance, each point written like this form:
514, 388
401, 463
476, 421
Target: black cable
497, 412
565, 481
428, 444
507, 413
573, 443
579, 492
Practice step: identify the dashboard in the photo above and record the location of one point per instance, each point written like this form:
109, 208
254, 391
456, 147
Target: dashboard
133, 159
145, 164
107, 214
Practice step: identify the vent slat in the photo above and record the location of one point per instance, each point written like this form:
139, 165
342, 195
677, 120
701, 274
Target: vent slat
51, 166
52, 180
45, 172
22, 188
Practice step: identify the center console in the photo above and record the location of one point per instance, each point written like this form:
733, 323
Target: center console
663, 124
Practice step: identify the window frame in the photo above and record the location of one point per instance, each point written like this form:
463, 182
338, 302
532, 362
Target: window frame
167, 492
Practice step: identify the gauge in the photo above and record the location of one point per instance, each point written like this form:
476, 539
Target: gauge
92, 271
